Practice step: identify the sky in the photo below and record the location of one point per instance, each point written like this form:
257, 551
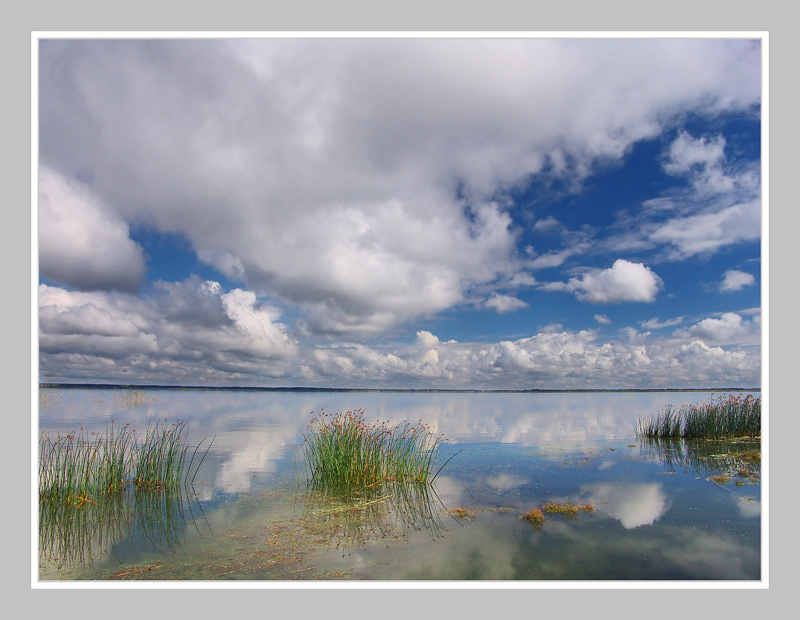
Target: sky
400, 212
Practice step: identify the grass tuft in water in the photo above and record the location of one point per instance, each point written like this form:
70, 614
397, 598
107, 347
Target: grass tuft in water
83, 466
723, 418
342, 449
160, 456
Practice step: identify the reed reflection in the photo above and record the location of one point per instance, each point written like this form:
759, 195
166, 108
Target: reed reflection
347, 518
736, 461
72, 536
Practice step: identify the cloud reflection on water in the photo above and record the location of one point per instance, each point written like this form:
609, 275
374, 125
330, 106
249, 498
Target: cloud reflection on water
258, 438
633, 505
253, 431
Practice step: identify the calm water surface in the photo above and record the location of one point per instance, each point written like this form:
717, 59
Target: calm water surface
657, 514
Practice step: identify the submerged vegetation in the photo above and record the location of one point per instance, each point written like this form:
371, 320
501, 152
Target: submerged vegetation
123, 497
732, 460
69, 537
726, 417
84, 466
375, 513
343, 450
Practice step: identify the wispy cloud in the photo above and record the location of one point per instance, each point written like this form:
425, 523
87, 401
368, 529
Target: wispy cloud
655, 323
725, 199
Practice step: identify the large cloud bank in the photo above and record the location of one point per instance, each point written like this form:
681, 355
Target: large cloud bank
351, 186
204, 336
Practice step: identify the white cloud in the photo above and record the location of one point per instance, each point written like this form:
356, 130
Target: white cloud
602, 319
719, 206
722, 208
356, 179
82, 242
194, 333
354, 185
735, 280
728, 328
654, 323
112, 326
504, 303
708, 232
548, 223
556, 258
701, 159
623, 281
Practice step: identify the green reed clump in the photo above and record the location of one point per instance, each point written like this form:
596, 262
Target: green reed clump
160, 456
343, 449
722, 418
81, 467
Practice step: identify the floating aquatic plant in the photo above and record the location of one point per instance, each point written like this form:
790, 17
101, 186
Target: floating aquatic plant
567, 508
534, 515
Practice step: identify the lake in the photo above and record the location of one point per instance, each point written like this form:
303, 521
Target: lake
651, 511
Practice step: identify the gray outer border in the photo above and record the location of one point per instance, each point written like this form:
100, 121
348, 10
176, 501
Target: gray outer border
361, 15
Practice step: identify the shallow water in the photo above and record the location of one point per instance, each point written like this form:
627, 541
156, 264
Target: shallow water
657, 514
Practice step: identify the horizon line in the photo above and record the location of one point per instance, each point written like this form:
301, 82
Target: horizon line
51, 384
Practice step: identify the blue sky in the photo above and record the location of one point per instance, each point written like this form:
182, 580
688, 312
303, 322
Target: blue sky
491, 213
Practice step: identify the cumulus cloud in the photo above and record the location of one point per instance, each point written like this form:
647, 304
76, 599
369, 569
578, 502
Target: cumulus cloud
83, 243
730, 327
386, 162
623, 281
196, 333
349, 186
192, 333
602, 319
735, 280
110, 326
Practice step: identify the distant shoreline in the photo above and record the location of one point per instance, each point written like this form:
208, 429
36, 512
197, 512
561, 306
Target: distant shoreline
118, 386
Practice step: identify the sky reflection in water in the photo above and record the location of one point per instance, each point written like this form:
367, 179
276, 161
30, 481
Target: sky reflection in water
653, 518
